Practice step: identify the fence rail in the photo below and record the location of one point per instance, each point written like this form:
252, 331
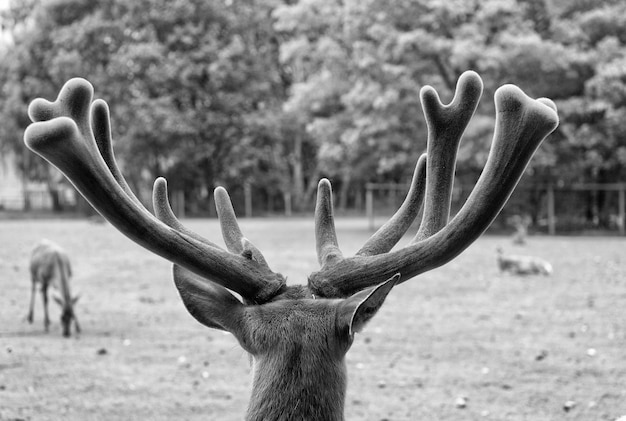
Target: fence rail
549, 190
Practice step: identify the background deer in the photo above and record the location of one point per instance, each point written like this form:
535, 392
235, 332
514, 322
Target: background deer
523, 265
50, 266
298, 335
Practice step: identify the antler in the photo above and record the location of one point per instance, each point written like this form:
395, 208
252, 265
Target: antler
73, 134
521, 125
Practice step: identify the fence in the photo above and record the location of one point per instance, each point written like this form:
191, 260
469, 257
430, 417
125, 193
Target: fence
552, 208
33, 200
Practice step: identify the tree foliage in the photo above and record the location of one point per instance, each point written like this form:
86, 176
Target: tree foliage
185, 80
279, 93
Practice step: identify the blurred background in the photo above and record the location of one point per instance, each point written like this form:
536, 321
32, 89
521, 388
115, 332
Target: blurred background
265, 97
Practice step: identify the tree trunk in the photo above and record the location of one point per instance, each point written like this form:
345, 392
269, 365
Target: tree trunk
344, 190
25, 192
311, 189
55, 197
298, 190
287, 202
358, 199
54, 192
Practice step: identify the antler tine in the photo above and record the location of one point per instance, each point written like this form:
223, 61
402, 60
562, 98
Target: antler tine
164, 213
184, 279
228, 221
521, 125
235, 241
101, 128
446, 124
62, 134
392, 231
325, 235
233, 237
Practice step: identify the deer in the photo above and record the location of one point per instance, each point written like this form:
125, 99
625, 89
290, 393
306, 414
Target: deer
298, 334
50, 266
522, 265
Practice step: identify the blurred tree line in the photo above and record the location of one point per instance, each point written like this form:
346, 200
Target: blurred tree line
276, 94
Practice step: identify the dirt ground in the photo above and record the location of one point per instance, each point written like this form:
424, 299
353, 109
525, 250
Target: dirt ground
512, 348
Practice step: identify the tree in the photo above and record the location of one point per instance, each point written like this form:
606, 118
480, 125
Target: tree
183, 78
279, 93
360, 67
593, 141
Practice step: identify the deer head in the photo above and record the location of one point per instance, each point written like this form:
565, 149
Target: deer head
298, 335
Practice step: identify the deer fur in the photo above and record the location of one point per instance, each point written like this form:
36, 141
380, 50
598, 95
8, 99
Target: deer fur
298, 344
50, 266
298, 335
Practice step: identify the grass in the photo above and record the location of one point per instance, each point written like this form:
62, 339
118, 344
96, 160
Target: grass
518, 348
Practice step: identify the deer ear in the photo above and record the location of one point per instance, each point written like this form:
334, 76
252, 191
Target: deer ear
210, 304
355, 311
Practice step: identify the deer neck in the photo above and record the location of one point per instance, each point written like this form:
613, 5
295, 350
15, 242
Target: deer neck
297, 387
62, 279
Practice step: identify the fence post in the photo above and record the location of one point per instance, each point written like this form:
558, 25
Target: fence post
622, 210
287, 200
551, 217
247, 193
178, 203
369, 205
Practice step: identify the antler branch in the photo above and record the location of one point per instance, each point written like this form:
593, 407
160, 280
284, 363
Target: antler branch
446, 124
392, 231
521, 125
325, 235
75, 136
62, 134
233, 237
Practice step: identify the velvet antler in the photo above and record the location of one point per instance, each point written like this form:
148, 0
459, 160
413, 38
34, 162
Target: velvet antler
74, 134
521, 125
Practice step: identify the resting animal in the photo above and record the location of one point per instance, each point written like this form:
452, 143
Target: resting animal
523, 265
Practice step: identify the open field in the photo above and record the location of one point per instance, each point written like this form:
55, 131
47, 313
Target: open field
518, 348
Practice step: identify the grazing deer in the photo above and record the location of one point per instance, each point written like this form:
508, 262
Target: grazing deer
298, 335
50, 266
